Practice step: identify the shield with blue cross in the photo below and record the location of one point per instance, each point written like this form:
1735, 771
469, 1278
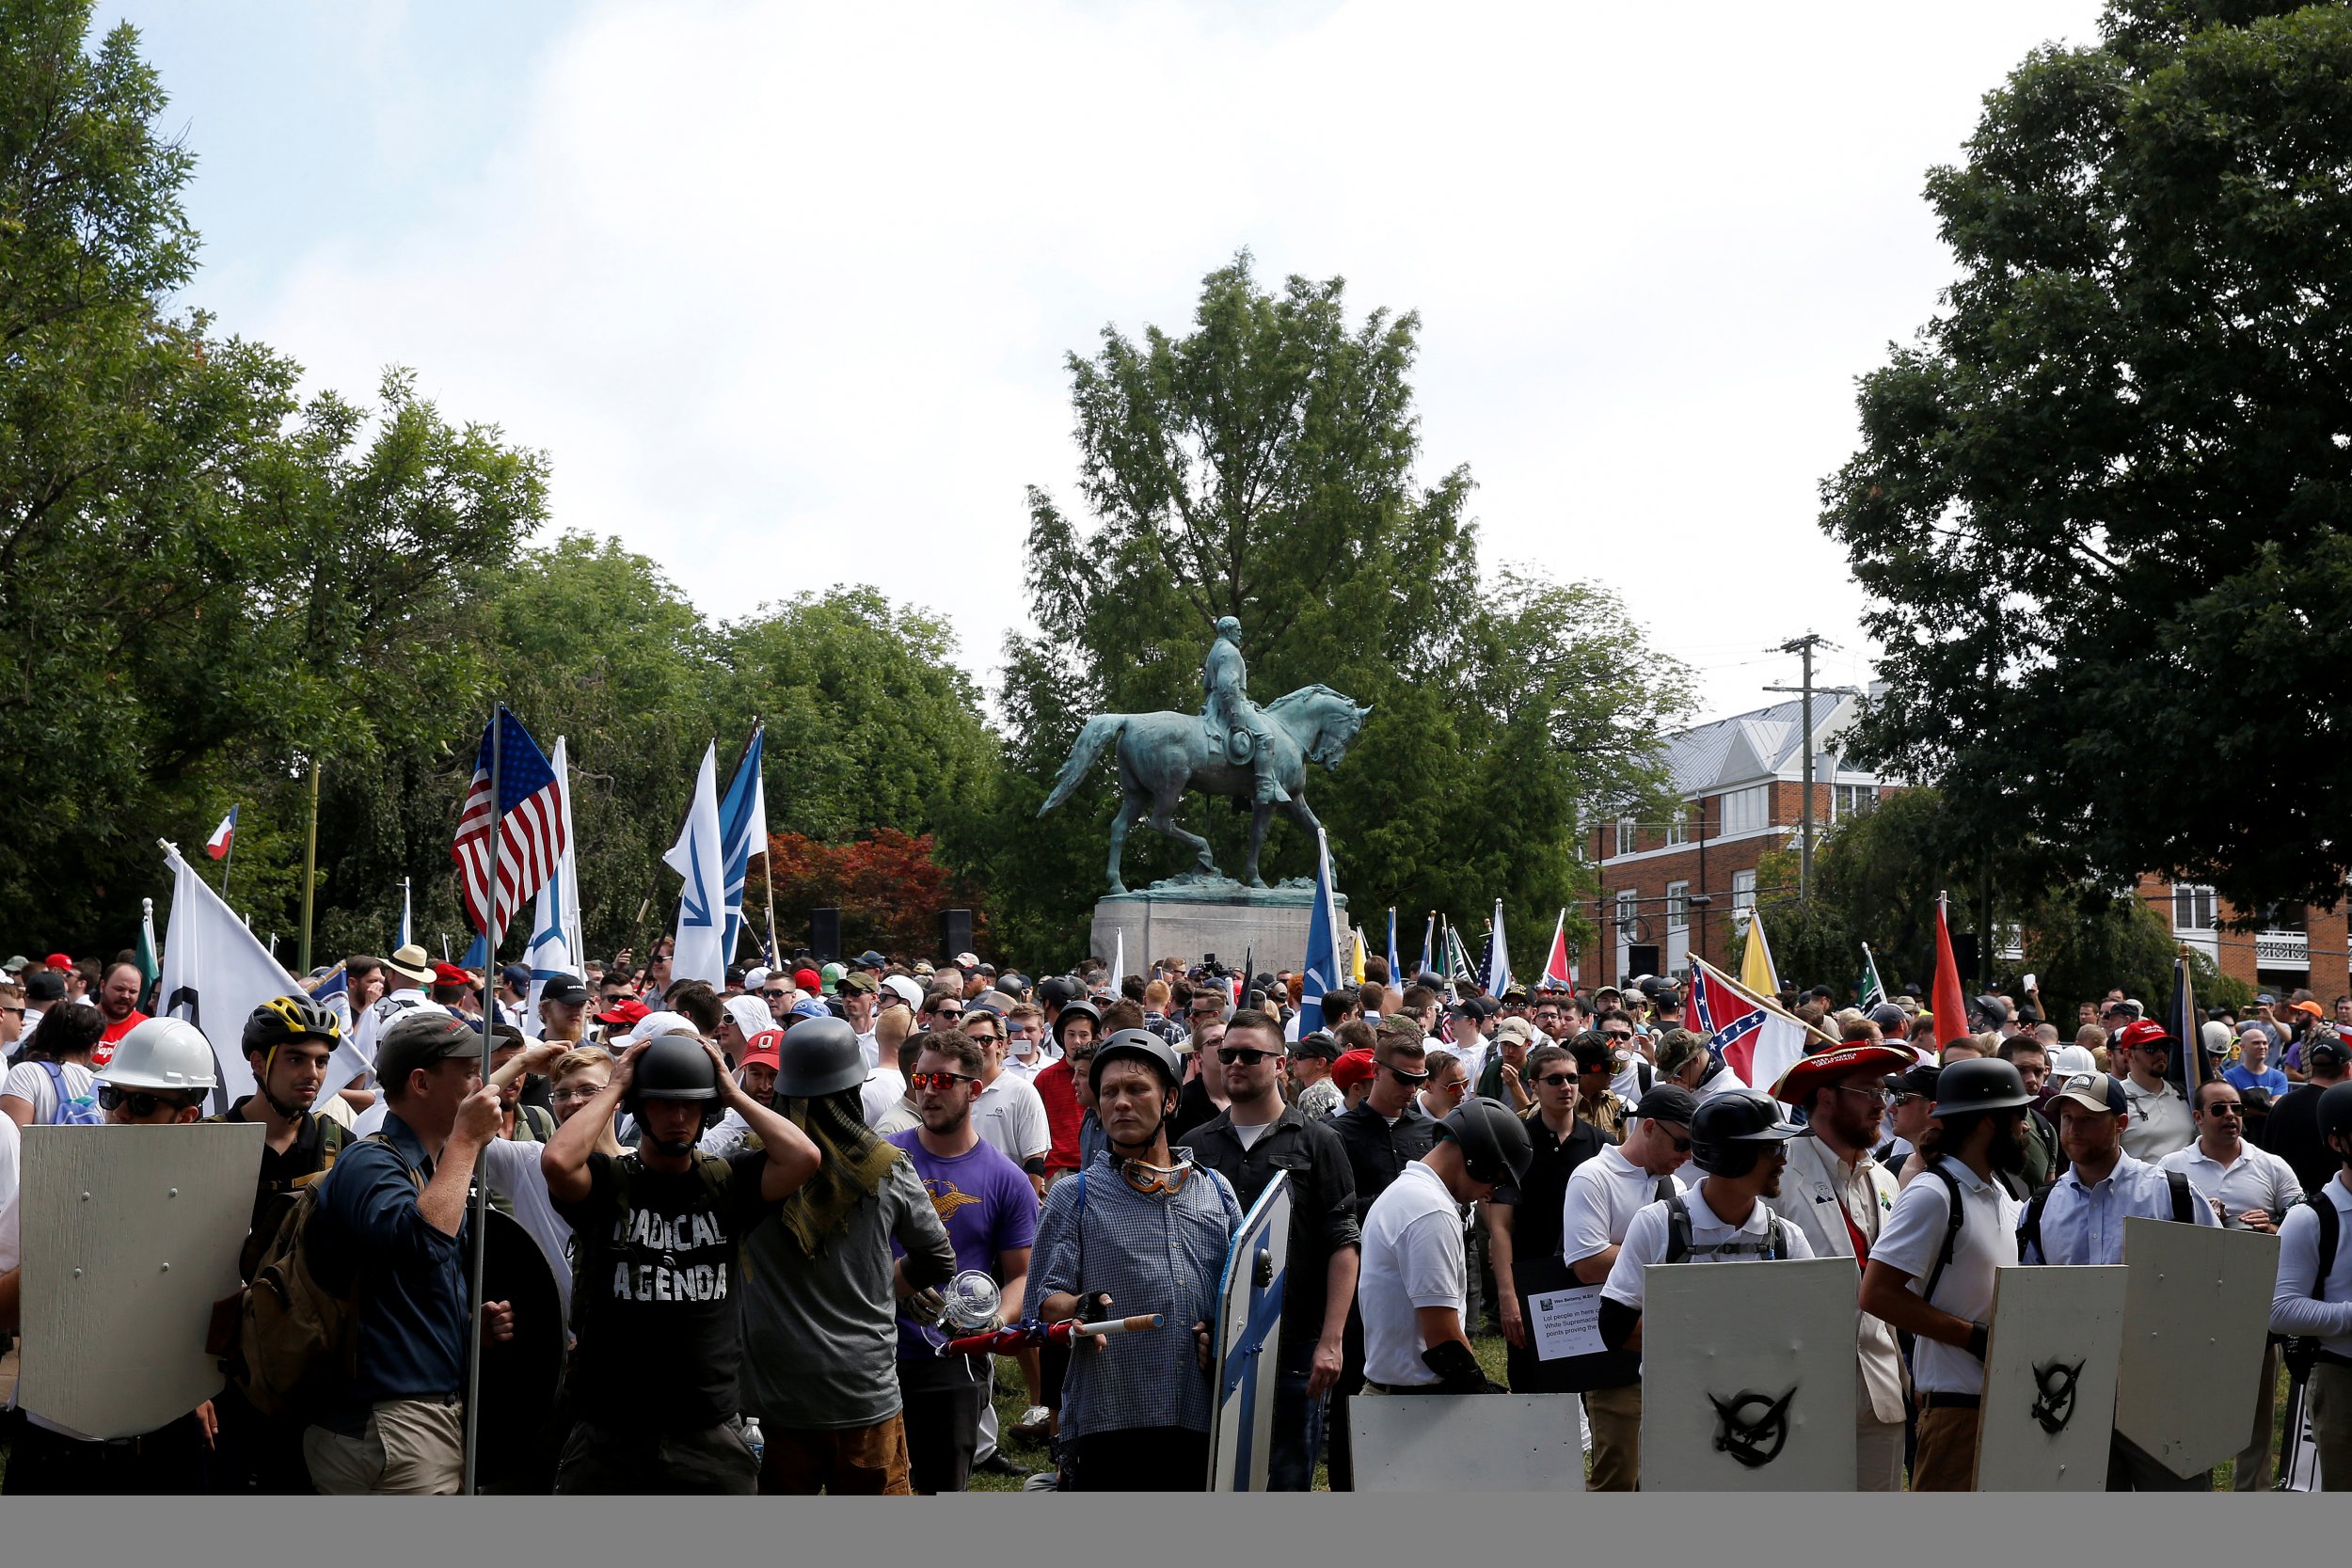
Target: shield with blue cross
1249, 1323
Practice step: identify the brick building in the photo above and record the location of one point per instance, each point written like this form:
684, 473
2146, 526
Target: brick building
2291, 945
1683, 886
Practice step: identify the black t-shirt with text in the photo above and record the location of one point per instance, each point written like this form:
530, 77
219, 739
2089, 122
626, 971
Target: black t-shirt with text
656, 1283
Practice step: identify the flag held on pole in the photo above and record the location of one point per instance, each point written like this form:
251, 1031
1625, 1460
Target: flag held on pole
1320, 973
1946, 999
506, 848
217, 845
1756, 970
742, 832
1557, 974
699, 857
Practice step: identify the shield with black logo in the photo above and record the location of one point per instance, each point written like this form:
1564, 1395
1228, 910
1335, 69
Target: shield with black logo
1758, 1393
2049, 1379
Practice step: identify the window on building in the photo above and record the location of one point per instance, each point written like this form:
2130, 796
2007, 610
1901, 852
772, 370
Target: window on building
1678, 906
1852, 800
1628, 913
1625, 836
1678, 826
2193, 908
1747, 811
1742, 897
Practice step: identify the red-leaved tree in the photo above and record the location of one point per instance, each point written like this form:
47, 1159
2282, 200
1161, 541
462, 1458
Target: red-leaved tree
887, 885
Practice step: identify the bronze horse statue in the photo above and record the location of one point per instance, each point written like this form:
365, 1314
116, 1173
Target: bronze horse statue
1162, 754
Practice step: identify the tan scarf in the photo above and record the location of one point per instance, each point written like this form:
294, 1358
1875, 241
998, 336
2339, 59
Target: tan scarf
852, 1165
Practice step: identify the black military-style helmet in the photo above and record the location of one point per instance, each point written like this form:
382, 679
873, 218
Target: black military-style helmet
818, 1057
1979, 1084
1729, 1131
1140, 1045
1493, 1141
1059, 991
2335, 1113
675, 1067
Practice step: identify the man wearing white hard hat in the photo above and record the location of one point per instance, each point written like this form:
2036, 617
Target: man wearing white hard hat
160, 1073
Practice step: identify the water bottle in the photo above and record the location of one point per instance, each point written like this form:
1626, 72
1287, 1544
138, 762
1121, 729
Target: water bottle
753, 1440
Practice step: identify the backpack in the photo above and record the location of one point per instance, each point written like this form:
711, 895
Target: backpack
296, 1336
2030, 1233
1951, 1230
1775, 1247
534, 1124
72, 1110
322, 1138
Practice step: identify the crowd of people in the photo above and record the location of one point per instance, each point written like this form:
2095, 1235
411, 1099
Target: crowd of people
769, 1207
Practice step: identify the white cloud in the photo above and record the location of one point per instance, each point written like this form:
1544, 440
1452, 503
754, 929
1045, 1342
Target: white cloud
784, 288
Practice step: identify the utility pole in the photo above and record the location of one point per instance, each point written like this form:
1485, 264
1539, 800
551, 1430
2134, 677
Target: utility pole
1802, 647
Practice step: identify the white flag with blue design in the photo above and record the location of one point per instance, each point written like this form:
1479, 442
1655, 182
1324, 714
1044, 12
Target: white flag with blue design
556, 948
699, 856
742, 833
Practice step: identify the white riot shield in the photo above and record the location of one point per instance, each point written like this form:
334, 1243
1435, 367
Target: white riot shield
1467, 1443
1748, 1377
2196, 1318
129, 1234
2049, 1379
1248, 1326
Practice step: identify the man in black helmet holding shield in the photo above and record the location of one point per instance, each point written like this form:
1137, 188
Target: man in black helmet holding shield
659, 1231
1138, 1230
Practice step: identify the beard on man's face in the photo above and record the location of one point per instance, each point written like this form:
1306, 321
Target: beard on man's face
2007, 1150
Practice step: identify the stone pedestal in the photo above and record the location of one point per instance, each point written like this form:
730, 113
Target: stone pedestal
1190, 917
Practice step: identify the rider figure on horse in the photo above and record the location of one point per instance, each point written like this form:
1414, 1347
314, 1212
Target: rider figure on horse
1235, 724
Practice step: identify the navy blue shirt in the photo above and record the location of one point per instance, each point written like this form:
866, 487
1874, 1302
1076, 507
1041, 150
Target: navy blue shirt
412, 1277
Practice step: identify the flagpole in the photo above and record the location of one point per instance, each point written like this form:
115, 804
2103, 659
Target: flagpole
310, 865
480, 1187
229, 860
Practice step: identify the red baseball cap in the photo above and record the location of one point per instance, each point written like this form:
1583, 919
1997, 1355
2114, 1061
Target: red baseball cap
58, 960
808, 979
449, 974
626, 1010
2146, 1035
1353, 1067
766, 1049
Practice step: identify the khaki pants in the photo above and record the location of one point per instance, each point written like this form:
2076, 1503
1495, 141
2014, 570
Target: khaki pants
2330, 1396
1878, 1446
409, 1448
2251, 1471
847, 1462
1947, 1460
1616, 1418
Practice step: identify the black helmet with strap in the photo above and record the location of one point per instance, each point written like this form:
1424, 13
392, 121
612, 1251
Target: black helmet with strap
1076, 1009
1730, 1130
674, 1067
1493, 1141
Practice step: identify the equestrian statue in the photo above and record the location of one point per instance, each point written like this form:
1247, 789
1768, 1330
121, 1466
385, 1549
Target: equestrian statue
1232, 748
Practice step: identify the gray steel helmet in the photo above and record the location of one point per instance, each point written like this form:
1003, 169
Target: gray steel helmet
1979, 1084
1142, 1045
1492, 1139
1730, 1130
816, 1057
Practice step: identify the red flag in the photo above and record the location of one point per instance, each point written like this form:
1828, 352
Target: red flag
1946, 1000
1556, 970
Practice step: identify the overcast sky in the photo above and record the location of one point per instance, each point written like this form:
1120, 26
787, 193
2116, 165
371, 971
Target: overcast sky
785, 290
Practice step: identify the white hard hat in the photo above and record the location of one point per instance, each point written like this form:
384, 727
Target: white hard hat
2070, 1060
162, 1053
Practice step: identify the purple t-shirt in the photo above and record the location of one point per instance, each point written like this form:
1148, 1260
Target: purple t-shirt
987, 1205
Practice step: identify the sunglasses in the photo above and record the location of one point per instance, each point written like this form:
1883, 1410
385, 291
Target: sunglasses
111, 1097
942, 1081
774, 996
985, 1037
1557, 1080
1409, 1077
1245, 1057
1616, 1034
2225, 1108
948, 1012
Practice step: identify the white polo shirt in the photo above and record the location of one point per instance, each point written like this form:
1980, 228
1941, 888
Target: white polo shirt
1604, 1194
1912, 1239
1412, 1258
1010, 1115
2160, 1122
2257, 1178
1645, 1244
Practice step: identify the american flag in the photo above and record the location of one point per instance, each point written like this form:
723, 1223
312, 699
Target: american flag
529, 824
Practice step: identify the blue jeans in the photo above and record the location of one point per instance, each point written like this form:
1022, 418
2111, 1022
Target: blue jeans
1298, 1433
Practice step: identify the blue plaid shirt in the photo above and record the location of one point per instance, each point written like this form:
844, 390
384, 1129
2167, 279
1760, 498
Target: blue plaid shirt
1153, 1253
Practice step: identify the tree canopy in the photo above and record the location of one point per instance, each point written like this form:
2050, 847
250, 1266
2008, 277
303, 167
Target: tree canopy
2100, 501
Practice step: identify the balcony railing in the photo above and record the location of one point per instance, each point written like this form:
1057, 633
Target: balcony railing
2282, 950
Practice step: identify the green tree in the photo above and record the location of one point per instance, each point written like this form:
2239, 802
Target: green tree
1262, 466
2102, 501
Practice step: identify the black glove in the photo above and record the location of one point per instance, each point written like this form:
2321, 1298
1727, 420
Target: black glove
1457, 1369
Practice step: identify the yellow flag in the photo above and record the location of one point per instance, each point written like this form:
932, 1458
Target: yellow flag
1356, 960
1756, 964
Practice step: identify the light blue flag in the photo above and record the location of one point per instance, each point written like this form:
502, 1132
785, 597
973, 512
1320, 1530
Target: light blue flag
1320, 971
742, 833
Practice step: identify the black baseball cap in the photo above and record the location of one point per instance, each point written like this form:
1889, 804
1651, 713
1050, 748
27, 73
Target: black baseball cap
1319, 1044
565, 989
1668, 1102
